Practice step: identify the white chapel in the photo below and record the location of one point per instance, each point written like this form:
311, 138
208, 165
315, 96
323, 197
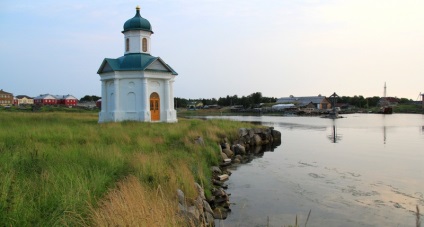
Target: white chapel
137, 86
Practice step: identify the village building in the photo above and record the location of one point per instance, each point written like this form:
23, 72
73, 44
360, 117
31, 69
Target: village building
314, 102
45, 99
6, 98
388, 101
137, 86
23, 100
66, 100
48, 99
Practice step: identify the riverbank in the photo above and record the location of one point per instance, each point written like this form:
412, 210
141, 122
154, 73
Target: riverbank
249, 143
338, 169
227, 111
66, 169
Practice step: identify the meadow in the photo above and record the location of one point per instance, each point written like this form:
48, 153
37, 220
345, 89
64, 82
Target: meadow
65, 169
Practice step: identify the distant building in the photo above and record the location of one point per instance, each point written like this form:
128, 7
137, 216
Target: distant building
195, 105
23, 100
137, 86
66, 100
48, 99
45, 99
99, 103
6, 98
283, 106
317, 102
388, 101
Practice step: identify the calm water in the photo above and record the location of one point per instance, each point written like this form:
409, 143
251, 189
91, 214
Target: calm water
362, 170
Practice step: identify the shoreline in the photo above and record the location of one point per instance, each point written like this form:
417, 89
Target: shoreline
250, 142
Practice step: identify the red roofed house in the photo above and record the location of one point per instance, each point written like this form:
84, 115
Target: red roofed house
45, 99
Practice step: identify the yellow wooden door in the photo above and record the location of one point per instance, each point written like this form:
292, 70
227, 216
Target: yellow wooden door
154, 106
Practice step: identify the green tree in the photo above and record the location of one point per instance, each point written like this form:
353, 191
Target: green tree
89, 98
255, 98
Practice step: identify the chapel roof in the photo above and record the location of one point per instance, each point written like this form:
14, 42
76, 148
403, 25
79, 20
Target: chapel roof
137, 23
132, 62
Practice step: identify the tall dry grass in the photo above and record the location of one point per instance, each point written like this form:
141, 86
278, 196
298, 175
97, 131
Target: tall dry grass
133, 204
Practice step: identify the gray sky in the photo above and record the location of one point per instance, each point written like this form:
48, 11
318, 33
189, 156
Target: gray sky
220, 47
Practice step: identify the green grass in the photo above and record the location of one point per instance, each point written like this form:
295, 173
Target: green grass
56, 166
408, 108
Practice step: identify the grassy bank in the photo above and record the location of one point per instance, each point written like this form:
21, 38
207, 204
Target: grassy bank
62, 168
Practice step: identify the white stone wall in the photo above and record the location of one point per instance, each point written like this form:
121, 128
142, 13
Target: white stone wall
126, 96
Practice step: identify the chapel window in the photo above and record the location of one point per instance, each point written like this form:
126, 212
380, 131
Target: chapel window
144, 44
127, 44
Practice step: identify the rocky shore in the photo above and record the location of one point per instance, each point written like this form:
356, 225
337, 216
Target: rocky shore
251, 142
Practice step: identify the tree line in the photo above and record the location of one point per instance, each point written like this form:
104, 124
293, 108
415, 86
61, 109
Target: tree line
361, 102
249, 101
256, 98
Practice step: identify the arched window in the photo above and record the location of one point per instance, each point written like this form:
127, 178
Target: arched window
127, 44
144, 43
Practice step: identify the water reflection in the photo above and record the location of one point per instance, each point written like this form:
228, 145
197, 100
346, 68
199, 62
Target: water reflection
358, 182
333, 137
384, 134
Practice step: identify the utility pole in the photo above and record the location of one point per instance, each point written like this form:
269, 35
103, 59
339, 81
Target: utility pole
385, 90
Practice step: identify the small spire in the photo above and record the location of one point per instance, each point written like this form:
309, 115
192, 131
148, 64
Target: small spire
137, 11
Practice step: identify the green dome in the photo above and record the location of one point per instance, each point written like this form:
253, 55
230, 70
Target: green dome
137, 23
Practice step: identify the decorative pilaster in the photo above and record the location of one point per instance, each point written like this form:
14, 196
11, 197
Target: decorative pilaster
104, 97
116, 86
145, 95
166, 101
145, 108
171, 93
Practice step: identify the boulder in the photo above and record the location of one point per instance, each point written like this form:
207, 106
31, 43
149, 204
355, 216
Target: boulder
189, 218
181, 207
222, 177
194, 211
243, 132
225, 140
228, 152
224, 156
276, 134
218, 192
210, 221
206, 207
227, 161
200, 190
199, 204
256, 149
220, 213
217, 182
181, 197
256, 140
239, 149
216, 169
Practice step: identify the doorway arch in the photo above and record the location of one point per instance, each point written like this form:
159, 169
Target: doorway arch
155, 106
